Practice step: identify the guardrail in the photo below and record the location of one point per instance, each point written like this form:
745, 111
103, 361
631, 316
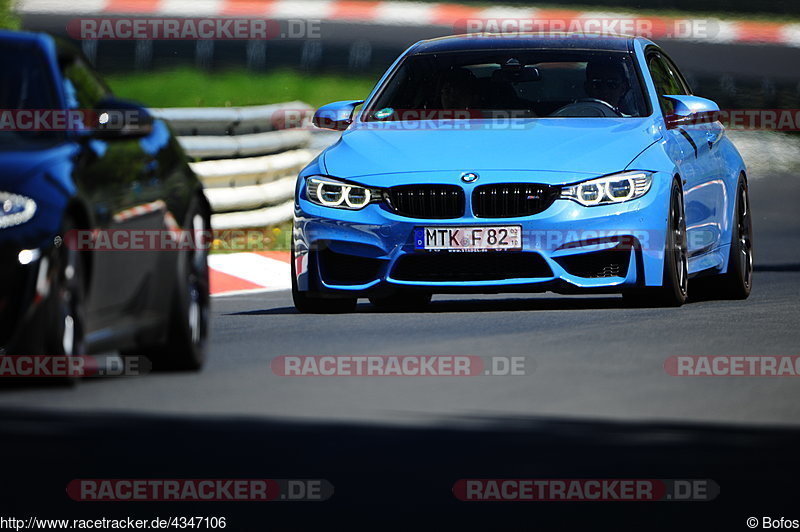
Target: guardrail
234, 120
252, 157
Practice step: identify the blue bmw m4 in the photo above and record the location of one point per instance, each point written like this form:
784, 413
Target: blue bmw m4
490, 163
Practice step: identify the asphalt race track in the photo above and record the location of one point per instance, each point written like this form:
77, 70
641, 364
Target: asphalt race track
596, 403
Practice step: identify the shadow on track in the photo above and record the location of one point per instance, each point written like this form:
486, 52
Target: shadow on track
388, 476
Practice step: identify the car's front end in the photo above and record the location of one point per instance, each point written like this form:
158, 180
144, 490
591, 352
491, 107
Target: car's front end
413, 238
475, 228
35, 188
33, 196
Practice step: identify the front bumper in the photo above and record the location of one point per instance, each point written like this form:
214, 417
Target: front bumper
566, 248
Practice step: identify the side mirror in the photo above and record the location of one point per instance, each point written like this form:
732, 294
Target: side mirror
114, 119
337, 115
688, 110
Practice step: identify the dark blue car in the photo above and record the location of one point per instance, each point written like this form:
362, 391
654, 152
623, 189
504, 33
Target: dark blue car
62, 299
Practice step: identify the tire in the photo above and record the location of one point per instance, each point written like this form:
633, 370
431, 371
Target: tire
60, 329
674, 290
402, 302
187, 332
68, 288
306, 303
737, 282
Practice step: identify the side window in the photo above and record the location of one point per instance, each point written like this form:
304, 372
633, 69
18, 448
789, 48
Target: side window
26, 82
665, 81
82, 88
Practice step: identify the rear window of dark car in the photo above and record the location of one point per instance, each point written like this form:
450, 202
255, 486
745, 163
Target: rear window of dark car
26, 84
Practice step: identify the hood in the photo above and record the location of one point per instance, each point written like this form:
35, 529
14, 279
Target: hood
25, 162
594, 146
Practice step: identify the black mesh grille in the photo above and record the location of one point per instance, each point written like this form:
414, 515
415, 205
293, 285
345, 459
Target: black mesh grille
470, 266
609, 263
339, 268
507, 200
427, 201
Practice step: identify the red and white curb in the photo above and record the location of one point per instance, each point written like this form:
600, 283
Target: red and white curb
408, 14
247, 273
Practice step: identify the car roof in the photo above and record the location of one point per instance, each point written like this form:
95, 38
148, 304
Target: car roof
516, 41
25, 37
43, 41
60, 47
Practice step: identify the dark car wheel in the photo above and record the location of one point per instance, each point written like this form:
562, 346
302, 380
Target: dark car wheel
307, 303
675, 288
185, 346
403, 301
68, 291
59, 328
737, 282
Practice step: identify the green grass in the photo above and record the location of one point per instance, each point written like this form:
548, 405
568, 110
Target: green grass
188, 87
8, 20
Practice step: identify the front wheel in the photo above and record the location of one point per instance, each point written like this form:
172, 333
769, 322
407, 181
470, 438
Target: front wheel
737, 282
66, 337
58, 328
674, 290
185, 346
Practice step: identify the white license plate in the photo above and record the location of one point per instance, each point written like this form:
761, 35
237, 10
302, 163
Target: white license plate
473, 238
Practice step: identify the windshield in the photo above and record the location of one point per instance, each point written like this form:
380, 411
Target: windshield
511, 83
25, 85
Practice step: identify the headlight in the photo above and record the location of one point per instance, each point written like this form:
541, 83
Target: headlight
15, 210
330, 193
615, 188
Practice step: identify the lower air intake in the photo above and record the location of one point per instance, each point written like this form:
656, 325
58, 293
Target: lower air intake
598, 264
470, 266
